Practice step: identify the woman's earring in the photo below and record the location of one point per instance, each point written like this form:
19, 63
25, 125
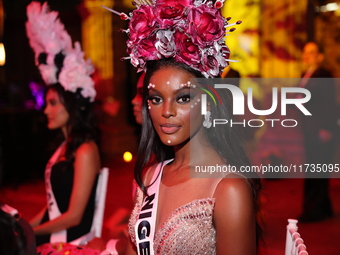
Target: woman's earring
207, 120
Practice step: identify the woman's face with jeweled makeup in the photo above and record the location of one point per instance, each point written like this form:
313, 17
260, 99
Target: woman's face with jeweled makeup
170, 105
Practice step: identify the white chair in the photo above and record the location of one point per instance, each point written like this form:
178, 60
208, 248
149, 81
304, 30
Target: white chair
97, 222
98, 216
294, 243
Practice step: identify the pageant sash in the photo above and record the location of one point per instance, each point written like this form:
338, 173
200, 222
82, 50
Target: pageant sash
10, 210
52, 206
146, 223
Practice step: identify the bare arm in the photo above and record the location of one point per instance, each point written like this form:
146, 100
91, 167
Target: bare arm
35, 221
86, 167
234, 218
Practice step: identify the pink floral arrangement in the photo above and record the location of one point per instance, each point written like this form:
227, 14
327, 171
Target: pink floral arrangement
47, 36
190, 31
75, 73
65, 249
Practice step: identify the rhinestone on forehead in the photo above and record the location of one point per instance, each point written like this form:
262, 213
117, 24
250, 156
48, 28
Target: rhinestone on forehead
195, 103
151, 85
188, 84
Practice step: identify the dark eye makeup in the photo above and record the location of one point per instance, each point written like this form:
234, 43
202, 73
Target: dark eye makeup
185, 97
155, 99
181, 98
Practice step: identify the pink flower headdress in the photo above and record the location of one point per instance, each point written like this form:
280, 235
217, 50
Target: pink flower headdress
190, 31
55, 57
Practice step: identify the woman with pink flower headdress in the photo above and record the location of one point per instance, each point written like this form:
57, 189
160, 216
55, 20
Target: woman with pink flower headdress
192, 197
71, 173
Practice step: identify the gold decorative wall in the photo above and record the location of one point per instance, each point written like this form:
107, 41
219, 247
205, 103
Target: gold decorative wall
268, 43
100, 39
283, 34
244, 41
97, 36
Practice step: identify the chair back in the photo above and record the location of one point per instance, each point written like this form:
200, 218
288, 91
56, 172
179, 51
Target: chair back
294, 243
98, 215
100, 199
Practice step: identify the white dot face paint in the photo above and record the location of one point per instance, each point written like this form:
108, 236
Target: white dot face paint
171, 104
197, 101
151, 85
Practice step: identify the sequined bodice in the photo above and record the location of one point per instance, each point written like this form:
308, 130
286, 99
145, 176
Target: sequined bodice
188, 230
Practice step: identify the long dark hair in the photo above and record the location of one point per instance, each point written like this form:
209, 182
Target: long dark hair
225, 139
81, 125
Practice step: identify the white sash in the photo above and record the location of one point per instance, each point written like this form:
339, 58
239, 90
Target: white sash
52, 206
146, 223
10, 210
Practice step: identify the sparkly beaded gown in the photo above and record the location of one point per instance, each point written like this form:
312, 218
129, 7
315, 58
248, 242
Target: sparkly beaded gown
184, 223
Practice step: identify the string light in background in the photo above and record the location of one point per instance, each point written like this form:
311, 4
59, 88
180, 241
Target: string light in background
127, 156
2, 55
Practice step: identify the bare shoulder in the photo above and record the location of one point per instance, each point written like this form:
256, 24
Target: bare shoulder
87, 156
87, 148
233, 185
148, 174
234, 189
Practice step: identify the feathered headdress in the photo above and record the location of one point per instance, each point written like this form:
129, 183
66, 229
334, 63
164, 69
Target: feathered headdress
55, 57
190, 31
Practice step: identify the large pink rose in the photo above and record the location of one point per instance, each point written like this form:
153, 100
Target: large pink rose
70, 77
187, 51
143, 52
145, 49
206, 26
142, 23
65, 248
169, 13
